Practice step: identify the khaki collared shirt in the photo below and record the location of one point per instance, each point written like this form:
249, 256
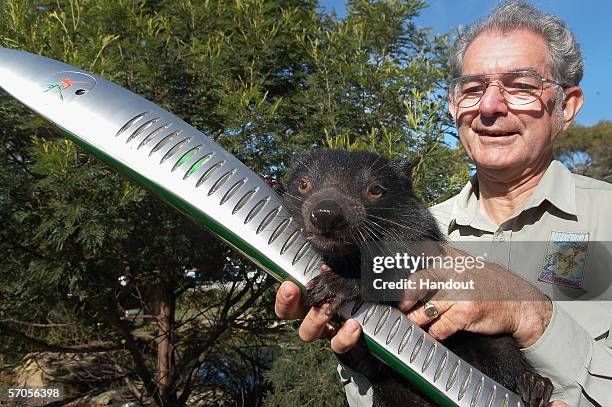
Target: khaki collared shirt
575, 351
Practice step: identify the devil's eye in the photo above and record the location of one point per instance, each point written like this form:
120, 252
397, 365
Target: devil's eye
375, 192
303, 185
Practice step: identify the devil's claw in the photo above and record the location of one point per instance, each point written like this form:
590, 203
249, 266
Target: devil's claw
535, 390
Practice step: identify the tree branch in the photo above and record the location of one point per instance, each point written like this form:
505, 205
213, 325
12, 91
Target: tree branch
212, 338
35, 325
141, 368
47, 347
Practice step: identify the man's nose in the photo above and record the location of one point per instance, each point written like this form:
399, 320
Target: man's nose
492, 102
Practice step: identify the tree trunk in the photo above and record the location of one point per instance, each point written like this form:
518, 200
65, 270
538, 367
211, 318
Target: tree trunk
165, 341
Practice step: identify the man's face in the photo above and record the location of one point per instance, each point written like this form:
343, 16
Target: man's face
499, 135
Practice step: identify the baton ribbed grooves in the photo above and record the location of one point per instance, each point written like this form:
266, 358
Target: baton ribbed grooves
130, 122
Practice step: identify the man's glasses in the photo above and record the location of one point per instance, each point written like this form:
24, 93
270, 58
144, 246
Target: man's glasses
517, 88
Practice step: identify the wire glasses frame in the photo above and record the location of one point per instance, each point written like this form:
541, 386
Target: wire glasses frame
517, 88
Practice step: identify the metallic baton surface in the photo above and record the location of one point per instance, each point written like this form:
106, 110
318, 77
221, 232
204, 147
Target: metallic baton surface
194, 174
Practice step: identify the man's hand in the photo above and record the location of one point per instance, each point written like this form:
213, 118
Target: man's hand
499, 302
316, 323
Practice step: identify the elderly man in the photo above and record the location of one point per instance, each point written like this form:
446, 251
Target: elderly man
515, 88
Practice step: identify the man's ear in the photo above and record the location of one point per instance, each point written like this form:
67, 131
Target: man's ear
405, 168
574, 98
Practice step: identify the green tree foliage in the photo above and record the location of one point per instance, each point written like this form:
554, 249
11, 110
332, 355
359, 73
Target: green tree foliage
377, 86
266, 79
305, 375
587, 150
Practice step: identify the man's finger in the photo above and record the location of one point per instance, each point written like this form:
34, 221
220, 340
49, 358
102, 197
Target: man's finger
347, 337
442, 328
288, 303
418, 292
314, 325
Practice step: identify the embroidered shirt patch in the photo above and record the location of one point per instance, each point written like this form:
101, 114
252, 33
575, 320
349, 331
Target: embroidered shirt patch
564, 259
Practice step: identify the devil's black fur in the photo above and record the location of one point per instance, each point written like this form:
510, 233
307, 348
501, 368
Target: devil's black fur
343, 199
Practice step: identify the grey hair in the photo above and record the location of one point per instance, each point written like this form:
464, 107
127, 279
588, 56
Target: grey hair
564, 54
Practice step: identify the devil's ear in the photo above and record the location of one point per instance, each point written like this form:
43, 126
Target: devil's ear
274, 184
405, 168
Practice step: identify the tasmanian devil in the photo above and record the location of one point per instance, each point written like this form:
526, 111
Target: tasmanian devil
346, 198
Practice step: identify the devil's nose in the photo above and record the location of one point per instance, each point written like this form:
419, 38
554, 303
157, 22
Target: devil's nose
327, 215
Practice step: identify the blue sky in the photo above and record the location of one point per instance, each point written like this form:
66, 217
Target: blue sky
590, 20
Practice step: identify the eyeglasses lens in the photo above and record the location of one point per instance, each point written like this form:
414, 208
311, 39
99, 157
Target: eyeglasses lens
516, 88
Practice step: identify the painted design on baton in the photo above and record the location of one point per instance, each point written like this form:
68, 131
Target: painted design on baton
64, 84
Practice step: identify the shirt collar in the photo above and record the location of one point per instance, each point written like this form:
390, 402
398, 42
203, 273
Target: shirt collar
557, 186
466, 211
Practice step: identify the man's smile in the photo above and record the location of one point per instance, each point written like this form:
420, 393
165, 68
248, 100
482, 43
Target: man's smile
494, 133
